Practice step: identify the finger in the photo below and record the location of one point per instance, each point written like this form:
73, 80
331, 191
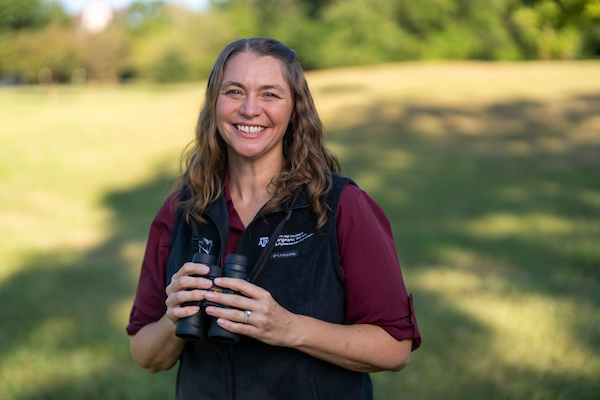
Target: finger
190, 268
188, 282
231, 300
184, 296
239, 327
242, 286
193, 282
177, 313
230, 314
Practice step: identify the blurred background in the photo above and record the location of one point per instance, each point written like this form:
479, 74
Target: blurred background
121, 40
475, 124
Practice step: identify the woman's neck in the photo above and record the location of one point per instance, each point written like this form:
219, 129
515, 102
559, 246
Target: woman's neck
249, 186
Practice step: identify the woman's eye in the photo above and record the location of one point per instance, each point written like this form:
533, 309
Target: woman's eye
233, 91
271, 95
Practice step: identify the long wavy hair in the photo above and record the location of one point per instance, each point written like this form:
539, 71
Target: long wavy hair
307, 161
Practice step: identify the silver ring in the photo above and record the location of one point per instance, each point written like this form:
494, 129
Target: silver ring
247, 314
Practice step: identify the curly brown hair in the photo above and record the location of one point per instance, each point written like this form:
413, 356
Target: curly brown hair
307, 161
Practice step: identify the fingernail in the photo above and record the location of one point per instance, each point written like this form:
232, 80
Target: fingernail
218, 280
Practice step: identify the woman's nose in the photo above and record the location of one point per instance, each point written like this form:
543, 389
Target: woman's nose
250, 107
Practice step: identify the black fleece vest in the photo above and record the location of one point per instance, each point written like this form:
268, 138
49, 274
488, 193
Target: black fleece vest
303, 275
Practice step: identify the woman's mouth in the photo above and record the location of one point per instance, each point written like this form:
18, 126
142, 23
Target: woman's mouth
250, 129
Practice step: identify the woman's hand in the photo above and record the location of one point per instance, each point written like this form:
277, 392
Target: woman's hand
267, 321
155, 346
186, 286
361, 347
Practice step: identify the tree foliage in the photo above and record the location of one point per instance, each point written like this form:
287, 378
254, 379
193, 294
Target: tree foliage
30, 14
165, 42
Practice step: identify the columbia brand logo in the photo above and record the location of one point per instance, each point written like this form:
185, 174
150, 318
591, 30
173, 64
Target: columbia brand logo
286, 254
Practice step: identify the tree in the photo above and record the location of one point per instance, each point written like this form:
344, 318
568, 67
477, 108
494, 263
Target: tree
30, 14
25, 54
556, 29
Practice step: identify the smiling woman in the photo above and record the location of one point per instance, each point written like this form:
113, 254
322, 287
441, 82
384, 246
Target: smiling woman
329, 304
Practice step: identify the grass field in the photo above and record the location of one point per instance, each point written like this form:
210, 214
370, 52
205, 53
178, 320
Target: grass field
489, 174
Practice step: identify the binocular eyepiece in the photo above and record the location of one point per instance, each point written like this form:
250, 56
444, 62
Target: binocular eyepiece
199, 326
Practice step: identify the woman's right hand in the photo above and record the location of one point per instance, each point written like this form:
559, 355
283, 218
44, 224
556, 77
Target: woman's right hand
186, 288
155, 346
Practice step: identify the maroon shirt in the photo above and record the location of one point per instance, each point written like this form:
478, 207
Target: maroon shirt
374, 288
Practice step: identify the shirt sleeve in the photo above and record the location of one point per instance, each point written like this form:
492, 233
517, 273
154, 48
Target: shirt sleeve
149, 304
374, 290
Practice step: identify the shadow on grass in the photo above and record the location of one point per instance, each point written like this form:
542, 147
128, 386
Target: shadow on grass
61, 308
514, 189
448, 178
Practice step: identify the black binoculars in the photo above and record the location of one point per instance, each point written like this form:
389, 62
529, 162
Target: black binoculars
199, 326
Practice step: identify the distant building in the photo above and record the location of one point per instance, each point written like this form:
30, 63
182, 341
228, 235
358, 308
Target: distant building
96, 16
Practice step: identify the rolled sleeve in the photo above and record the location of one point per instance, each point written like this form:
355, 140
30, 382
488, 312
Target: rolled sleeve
374, 289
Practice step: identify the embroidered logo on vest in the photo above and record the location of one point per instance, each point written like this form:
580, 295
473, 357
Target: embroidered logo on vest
205, 245
286, 240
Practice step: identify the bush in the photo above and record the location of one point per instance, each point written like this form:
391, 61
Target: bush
24, 54
171, 67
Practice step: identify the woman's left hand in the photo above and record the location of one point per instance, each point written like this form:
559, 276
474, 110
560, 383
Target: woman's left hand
361, 347
267, 321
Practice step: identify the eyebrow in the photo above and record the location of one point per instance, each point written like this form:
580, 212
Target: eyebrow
264, 87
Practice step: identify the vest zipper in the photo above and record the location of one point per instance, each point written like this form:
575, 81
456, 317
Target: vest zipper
232, 366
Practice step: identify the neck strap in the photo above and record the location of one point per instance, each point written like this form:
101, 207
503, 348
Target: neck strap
264, 257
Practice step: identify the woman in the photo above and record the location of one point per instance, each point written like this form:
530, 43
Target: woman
329, 306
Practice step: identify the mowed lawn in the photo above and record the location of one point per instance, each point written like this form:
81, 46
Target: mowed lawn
488, 172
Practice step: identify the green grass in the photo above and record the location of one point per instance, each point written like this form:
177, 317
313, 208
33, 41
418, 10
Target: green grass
489, 174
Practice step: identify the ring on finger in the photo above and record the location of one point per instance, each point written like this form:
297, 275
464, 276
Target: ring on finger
246, 316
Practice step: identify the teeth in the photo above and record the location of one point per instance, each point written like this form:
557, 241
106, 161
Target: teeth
250, 129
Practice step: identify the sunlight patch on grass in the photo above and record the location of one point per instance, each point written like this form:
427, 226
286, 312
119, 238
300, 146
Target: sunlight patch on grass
457, 284
514, 194
396, 160
590, 198
505, 224
471, 125
58, 162
426, 124
42, 219
588, 132
340, 150
370, 181
464, 258
518, 148
529, 330
118, 315
36, 369
132, 253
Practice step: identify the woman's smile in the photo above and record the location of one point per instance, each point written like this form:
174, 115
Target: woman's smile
250, 129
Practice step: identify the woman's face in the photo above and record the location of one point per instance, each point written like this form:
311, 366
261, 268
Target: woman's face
254, 107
